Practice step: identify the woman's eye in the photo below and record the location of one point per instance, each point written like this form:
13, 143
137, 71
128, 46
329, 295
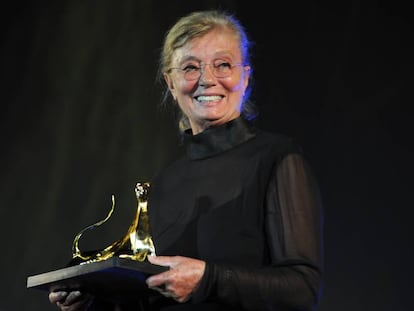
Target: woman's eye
188, 68
223, 65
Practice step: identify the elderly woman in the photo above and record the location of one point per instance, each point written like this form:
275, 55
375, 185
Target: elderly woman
237, 218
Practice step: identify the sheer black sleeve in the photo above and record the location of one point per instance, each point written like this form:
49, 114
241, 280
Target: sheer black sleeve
292, 281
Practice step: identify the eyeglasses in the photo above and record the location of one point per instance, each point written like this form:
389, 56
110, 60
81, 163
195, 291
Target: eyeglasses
220, 69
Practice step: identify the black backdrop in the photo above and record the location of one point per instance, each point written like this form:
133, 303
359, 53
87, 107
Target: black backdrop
80, 121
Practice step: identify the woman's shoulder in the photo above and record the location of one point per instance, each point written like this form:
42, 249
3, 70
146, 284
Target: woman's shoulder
277, 142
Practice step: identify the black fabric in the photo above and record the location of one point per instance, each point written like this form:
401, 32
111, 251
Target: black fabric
213, 141
245, 201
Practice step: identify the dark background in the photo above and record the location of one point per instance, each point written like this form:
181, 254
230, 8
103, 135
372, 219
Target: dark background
80, 120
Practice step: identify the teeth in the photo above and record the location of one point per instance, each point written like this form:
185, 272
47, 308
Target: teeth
208, 98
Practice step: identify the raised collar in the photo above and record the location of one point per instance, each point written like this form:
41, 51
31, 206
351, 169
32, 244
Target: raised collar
218, 139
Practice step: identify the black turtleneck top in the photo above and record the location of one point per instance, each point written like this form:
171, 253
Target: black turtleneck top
244, 201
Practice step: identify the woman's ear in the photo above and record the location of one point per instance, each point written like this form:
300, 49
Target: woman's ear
170, 85
246, 76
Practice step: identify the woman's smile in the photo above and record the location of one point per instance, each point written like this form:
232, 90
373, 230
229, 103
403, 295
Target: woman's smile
206, 99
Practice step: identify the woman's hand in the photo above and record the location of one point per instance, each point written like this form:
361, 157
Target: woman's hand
180, 280
70, 301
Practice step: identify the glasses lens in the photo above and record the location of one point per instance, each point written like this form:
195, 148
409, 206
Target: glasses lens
192, 74
222, 69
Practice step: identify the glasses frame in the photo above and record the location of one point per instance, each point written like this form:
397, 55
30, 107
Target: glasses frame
201, 70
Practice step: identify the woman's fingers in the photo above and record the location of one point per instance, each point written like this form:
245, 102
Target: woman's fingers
180, 280
74, 297
70, 301
55, 297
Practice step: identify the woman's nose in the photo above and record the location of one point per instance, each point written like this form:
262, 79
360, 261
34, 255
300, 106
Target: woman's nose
206, 75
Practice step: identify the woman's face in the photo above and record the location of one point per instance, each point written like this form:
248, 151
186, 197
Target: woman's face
209, 100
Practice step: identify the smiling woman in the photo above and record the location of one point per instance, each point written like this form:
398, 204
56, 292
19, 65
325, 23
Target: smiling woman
237, 219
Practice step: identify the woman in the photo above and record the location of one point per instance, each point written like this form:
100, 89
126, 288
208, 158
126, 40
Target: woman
237, 218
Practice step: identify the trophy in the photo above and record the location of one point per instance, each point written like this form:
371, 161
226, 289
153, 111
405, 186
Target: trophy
118, 271
136, 244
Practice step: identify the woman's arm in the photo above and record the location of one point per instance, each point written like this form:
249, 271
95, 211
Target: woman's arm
292, 280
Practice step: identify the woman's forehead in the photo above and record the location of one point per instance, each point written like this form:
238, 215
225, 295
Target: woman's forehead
214, 44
